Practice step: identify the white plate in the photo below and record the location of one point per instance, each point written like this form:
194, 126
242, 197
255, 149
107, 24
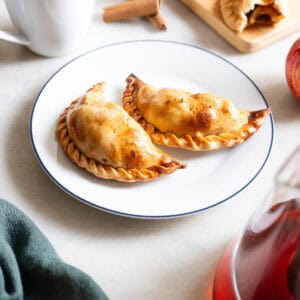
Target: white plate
209, 179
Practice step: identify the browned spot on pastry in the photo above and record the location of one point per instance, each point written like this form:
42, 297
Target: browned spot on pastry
225, 110
165, 165
133, 159
203, 120
259, 114
200, 121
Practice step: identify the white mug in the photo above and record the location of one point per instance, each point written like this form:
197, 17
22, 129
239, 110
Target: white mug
49, 27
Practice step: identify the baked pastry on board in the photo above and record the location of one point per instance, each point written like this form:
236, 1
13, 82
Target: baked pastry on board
102, 138
198, 122
238, 14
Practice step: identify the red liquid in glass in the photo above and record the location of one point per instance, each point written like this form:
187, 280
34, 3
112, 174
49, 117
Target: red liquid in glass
267, 259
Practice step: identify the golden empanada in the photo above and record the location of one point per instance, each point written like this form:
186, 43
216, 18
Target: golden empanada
102, 138
238, 14
197, 122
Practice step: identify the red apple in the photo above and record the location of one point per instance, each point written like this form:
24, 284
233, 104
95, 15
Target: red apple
292, 69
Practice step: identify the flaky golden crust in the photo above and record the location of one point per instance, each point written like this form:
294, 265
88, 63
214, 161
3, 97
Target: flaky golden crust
194, 142
238, 14
167, 164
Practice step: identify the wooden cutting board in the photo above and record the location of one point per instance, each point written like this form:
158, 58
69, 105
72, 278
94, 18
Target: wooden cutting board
250, 39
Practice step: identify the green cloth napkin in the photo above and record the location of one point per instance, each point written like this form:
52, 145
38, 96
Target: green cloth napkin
31, 269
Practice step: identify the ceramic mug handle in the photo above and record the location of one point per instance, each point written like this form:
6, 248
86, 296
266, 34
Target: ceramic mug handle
16, 12
13, 38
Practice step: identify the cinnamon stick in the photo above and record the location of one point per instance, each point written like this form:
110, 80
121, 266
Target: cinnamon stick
130, 9
158, 21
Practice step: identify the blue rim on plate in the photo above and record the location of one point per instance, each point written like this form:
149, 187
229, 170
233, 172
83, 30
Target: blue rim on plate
120, 213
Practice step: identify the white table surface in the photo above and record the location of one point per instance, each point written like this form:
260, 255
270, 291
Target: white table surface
129, 258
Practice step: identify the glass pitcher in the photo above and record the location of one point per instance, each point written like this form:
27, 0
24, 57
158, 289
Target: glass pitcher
264, 264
